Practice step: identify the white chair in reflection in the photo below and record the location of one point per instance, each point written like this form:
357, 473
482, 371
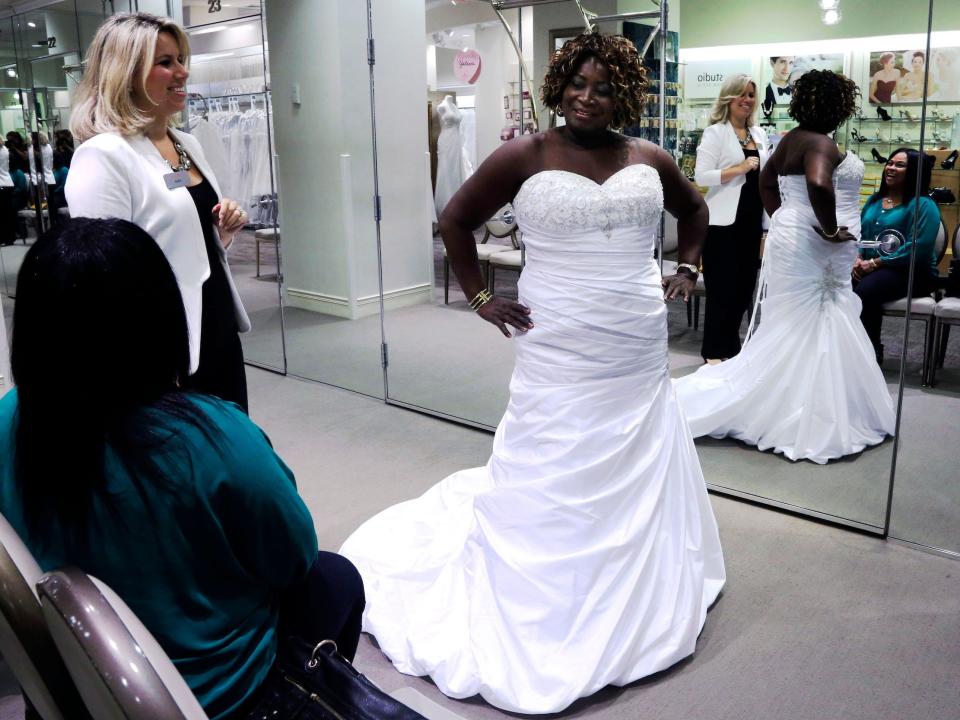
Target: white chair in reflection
945, 314
120, 669
270, 236
921, 309
25, 642
510, 260
501, 225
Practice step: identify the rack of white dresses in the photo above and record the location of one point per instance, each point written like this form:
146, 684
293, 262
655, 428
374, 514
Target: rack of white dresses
234, 132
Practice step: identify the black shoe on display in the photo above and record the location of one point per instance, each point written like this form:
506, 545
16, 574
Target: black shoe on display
950, 161
942, 195
857, 137
878, 157
882, 114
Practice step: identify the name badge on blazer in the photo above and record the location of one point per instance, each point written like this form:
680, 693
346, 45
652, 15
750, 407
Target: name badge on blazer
178, 179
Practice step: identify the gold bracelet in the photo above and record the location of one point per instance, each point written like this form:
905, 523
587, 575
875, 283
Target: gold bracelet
480, 299
830, 235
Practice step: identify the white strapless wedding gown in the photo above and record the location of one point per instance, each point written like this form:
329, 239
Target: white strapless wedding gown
806, 382
585, 553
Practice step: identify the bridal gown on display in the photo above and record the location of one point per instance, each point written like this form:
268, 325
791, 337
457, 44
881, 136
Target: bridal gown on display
806, 382
453, 165
585, 553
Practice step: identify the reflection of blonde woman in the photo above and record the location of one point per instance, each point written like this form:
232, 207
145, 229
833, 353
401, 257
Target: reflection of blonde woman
910, 87
883, 83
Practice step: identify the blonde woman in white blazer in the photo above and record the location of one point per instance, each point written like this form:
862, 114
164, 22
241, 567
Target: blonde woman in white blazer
133, 165
730, 156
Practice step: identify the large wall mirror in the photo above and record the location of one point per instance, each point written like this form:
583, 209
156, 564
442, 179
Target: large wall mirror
442, 359
926, 496
329, 236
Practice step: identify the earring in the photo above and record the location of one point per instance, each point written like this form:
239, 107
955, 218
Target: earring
559, 112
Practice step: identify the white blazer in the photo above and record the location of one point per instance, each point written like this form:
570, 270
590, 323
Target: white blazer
114, 176
720, 148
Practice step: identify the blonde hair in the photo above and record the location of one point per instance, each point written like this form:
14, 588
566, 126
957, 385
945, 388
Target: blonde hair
118, 62
732, 88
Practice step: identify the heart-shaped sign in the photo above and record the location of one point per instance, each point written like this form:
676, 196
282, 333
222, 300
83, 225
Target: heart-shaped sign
466, 66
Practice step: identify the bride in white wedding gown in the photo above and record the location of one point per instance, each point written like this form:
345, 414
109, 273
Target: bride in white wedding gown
585, 552
806, 382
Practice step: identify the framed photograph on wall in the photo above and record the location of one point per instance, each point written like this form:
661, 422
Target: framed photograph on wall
508, 115
780, 72
945, 74
527, 114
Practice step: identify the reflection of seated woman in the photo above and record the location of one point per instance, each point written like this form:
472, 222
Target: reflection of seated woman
174, 499
883, 83
910, 87
880, 279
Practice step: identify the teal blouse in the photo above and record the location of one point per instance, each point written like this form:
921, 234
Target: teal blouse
202, 557
874, 219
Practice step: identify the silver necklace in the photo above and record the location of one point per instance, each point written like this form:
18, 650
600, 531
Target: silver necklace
745, 141
185, 162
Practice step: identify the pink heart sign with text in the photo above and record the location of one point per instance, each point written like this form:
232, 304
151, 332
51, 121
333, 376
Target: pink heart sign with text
466, 66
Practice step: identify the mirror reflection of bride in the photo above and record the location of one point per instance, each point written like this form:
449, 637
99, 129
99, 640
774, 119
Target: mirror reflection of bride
806, 383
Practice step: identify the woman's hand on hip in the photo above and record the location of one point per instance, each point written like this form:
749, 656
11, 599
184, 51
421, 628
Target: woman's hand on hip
229, 217
502, 312
679, 285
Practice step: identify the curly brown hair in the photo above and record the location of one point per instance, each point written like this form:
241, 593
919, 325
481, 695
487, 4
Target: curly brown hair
822, 100
628, 77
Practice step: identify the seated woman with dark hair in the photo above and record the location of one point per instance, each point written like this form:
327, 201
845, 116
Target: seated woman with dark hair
174, 499
880, 279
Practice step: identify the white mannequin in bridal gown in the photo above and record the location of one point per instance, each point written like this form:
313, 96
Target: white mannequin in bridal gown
453, 166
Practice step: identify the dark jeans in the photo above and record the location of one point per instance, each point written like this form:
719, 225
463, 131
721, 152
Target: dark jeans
326, 605
884, 285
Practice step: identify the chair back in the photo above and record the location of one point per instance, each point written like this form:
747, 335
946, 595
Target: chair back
25, 642
940, 245
671, 240
501, 225
120, 669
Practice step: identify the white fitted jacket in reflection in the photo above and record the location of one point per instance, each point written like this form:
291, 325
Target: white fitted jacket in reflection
114, 176
719, 148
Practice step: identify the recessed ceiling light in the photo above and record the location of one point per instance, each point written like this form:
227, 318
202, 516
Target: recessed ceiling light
832, 17
11, 73
31, 23
829, 4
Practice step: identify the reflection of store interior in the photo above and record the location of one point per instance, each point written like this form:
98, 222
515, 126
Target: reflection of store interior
343, 274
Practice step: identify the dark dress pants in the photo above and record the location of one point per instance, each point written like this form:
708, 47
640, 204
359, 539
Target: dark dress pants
730, 265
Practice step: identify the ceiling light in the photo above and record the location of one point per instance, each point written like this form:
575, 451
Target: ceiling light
11, 73
832, 17
829, 4
31, 23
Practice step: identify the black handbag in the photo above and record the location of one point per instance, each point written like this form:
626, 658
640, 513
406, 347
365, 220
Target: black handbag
317, 683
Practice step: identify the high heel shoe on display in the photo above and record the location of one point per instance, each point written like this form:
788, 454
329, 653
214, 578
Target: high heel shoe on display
883, 114
907, 115
857, 137
950, 160
878, 157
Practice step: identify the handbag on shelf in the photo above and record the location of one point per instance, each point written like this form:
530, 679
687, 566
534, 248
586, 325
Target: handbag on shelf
317, 683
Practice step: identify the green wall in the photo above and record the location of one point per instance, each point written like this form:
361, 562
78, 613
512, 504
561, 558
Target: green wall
706, 23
